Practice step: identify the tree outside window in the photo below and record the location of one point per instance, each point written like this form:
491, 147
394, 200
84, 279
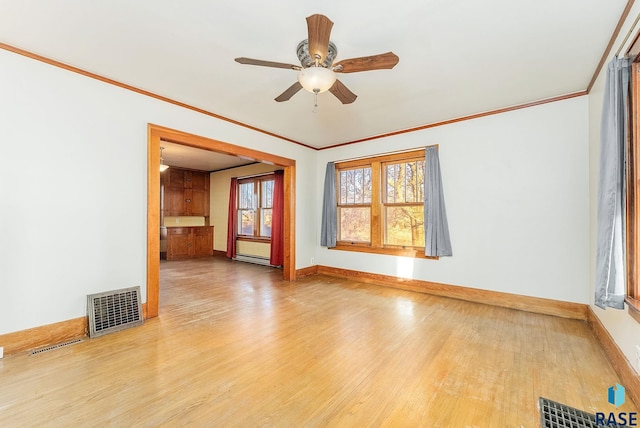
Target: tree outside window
354, 205
381, 204
404, 203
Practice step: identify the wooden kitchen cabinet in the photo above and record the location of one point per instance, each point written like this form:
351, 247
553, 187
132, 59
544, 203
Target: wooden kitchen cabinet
175, 177
202, 241
186, 193
197, 180
197, 202
178, 245
174, 202
187, 242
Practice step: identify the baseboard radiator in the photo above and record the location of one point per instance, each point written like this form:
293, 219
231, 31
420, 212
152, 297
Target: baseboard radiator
114, 310
252, 259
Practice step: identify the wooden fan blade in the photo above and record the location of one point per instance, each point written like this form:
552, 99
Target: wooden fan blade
319, 30
250, 61
375, 62
291, 91
342, 93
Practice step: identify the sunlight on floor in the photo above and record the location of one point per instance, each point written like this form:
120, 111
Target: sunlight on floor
404, 307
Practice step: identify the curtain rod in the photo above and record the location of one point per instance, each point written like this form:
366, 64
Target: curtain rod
387, 153
624, 42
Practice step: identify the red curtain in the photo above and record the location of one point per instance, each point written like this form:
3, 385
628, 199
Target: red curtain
232, 221
277, 221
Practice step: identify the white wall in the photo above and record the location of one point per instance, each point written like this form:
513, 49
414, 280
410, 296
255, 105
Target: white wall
516, 189
73, 187
624, 330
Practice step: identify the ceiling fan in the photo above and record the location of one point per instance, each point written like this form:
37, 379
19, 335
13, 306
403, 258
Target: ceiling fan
317, 72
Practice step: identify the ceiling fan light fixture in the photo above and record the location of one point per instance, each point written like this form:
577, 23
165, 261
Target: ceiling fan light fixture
316, 72
316, 79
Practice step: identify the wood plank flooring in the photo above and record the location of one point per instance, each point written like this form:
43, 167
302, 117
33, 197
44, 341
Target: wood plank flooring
235, 345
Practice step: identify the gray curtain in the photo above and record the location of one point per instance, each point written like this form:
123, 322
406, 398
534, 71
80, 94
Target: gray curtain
436, 236
610, 269
329, 228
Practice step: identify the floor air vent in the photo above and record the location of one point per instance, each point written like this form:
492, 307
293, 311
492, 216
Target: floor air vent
56, 346
113, 311
556, 415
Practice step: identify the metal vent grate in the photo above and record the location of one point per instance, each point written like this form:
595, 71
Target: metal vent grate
556, 415
113, 311
56, 346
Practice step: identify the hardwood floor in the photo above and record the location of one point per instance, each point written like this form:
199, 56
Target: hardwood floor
235, 345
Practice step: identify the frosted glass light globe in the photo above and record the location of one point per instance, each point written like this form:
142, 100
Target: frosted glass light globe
316, 79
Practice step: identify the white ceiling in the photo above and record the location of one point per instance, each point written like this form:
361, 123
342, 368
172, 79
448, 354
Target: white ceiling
182, 156
457, 57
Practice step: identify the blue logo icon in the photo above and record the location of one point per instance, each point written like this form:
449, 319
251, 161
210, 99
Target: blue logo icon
616, 395
616, 419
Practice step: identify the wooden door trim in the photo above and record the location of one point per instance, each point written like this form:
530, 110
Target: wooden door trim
157, 134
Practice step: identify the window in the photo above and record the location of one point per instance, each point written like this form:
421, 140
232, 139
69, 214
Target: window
381, 204
354, 204
255, 207
633, 198
266, 207
403, 203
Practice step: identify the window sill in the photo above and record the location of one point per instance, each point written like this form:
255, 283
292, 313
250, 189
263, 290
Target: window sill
633, 307
251, 239
417, 253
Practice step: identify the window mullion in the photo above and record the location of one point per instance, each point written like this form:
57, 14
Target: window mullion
256, 208
376, 209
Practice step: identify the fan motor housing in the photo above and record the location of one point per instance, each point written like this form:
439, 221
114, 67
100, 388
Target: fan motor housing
307, 61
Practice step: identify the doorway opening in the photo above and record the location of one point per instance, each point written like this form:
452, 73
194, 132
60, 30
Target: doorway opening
158, 134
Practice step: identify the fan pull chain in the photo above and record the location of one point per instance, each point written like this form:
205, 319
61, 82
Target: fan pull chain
315, 100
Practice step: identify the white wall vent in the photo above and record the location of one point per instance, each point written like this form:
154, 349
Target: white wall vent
253, 259
113, 311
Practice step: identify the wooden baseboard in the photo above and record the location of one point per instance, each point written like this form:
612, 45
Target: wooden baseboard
44, 335
496, 298
628, 377
308, 271
218, 253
